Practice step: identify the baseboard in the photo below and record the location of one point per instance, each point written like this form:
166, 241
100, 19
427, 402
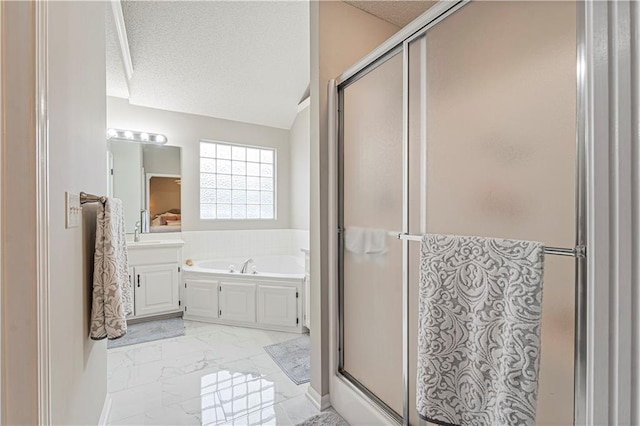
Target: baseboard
106, 410
320, 402
154, 317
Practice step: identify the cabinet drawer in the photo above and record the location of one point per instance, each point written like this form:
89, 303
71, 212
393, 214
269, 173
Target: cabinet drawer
153, 255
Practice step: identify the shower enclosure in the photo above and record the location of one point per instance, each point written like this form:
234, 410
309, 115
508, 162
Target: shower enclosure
469, 127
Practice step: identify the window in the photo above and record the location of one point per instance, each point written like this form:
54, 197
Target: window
236, 181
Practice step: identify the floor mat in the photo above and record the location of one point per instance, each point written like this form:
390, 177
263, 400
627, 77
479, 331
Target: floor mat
324, 419
293, 358
149, 331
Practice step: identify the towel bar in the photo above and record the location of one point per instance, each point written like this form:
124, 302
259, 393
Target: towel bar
90, 198
579, 251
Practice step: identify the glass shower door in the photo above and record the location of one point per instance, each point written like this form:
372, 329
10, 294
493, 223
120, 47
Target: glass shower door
492, 143
371, 211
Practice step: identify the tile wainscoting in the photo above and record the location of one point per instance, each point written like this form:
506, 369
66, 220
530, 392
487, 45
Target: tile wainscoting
199, 245
222, 244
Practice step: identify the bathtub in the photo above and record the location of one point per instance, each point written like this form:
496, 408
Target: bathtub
272, 298
282, 266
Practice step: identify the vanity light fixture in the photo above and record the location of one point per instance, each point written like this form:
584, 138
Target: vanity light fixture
133, 136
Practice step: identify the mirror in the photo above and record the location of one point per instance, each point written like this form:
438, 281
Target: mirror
147, 178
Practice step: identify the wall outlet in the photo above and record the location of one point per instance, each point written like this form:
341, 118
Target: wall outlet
73, 213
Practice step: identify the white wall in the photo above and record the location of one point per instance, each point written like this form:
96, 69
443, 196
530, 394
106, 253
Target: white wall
127, 182
299, 140
77, 111
186, 131
162, 159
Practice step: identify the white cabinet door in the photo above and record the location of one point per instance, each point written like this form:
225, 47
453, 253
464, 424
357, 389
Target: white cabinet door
156, 289
133, 292
237, 302
201, 298
278, 305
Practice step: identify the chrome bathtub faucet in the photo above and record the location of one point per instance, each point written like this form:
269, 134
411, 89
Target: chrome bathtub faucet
246, 263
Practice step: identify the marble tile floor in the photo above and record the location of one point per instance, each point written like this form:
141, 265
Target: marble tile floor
214, 375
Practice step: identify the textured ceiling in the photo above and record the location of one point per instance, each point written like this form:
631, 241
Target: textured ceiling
116, 80
245, 61
397, 12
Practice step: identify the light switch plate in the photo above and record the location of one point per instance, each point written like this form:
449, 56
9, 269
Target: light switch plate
73, 214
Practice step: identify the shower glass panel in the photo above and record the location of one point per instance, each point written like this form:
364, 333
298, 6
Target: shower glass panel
492, 152
371, 291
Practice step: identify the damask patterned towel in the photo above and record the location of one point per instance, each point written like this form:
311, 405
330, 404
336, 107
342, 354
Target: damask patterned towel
479, 330
112, 300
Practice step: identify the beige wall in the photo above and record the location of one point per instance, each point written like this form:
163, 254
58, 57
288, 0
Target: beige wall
77, 161
340, 36
186, 131
77, 114
19, 328
299, 144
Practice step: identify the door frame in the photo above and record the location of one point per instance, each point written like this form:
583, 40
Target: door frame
33, 18
42, 203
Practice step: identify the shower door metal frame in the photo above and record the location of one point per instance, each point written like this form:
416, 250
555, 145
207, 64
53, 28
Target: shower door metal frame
399, 43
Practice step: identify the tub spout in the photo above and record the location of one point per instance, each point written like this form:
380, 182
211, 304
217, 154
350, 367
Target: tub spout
245, 265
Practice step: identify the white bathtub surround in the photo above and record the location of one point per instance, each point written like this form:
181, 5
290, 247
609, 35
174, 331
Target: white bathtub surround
224, 244
187, 380
279, 266
271, 298
200, 245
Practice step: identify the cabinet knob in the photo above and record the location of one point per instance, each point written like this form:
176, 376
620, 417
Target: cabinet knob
138, 280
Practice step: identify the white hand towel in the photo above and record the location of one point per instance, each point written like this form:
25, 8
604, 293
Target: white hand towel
364, 241
479, 330
112, 300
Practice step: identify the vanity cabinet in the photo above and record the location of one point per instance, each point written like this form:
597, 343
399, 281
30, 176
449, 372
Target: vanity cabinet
156, 289
154, 272
245, 300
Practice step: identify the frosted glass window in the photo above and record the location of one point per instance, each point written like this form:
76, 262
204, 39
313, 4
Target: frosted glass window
253, 169
253, 212
208, 180
207, 195
253, 155
237, 182
208, 165
253, 182
224, 211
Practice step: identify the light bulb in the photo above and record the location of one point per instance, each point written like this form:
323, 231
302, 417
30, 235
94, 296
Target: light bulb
111, 133
160, 139
128, 134
144, 136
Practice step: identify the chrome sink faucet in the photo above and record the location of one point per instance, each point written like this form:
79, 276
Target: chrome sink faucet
136, 234
245, 265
